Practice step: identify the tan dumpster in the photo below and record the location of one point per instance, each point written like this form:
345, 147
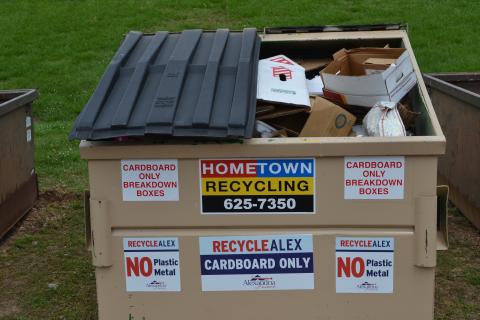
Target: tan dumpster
282, 228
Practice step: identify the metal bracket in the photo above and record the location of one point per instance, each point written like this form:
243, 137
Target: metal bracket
88, 225
426, 231
101, 233
442, 217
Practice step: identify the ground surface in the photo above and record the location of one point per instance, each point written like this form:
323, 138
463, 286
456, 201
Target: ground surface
62, 48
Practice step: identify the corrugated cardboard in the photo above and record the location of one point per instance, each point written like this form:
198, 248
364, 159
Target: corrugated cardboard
278, 111
377, 65
263, 109
345, 80
326, 119
311, 64
292, 124
380, 61
281, 80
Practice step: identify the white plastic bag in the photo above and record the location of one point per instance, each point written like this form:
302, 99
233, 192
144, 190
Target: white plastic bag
383, 120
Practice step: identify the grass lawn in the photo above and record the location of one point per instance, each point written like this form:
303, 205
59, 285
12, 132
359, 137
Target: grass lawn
62, 48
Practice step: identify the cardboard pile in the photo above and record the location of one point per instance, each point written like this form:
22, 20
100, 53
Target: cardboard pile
323, 119
326, 119
310, 97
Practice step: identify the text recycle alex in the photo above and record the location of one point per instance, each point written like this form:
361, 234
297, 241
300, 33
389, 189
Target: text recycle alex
229, 263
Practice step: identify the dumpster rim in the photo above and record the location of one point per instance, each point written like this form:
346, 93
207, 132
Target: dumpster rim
257, 147
470, 97
24, 97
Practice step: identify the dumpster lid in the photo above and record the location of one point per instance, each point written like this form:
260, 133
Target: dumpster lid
188, 84
336, 28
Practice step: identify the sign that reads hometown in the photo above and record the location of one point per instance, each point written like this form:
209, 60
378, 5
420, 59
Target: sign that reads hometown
243, 263
374, 177
257, 186
152, 264
364, 265
149, 180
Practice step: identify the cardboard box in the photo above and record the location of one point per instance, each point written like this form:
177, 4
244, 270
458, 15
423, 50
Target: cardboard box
315, 86
346, 81
377, 65
326, 119
282, 80
311, 64
323, 119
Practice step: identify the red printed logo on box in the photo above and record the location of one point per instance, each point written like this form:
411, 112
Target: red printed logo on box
277, 71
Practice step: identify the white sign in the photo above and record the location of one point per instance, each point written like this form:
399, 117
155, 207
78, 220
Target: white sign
151, 264
28, 121
263, 186
29, 135
374, 177
149, 180
364, 265
248, 263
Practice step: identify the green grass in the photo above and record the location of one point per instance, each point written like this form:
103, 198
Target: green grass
457, 292
49, 249
62, 48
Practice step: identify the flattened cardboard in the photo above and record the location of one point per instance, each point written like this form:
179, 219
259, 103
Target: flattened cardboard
314, 63
345, 80
326, 119
292, 124
278, 111
263, 109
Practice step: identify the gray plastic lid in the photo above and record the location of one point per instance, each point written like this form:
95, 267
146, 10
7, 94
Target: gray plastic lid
189, 84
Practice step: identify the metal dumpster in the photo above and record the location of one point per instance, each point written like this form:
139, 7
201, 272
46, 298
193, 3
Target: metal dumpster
456, 99
282, 228
18, 186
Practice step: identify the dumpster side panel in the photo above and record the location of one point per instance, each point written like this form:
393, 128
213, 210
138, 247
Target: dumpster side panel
334, 217
17, 152
331, 207
412, 285
458, 168
18, 187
